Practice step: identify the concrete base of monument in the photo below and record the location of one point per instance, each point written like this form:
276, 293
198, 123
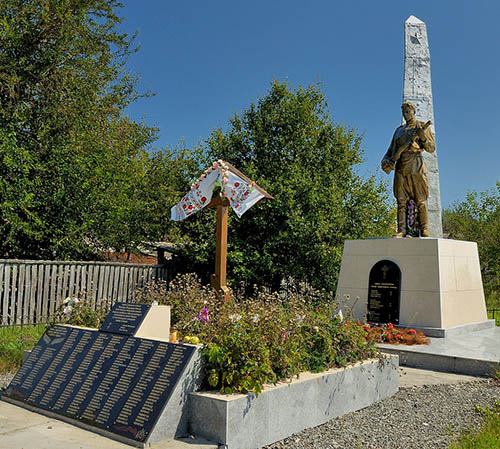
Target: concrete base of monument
426, 283
456, 331
476, 353
252, 421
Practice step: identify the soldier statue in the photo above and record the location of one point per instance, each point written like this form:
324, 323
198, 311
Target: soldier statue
410, 178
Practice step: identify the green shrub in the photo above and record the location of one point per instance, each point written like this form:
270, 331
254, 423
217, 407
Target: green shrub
78, 311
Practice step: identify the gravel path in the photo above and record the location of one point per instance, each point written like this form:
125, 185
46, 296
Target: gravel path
416, 417
5, 380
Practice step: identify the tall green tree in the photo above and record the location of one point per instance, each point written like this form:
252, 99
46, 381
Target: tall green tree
288, 143
477, 219
63, 136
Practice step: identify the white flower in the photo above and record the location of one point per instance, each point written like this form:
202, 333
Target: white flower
340, 315
68, 299
67, 310
299, 319
155, 303
235, 317
75, 301
255, 318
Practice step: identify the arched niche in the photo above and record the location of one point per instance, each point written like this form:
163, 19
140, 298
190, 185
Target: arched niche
384, 292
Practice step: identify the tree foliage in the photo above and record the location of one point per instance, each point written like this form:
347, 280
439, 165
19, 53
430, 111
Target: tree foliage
69, 158
290, 146
477, 219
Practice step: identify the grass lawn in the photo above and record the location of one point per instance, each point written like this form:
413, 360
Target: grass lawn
13, 341
487, 437
497, 318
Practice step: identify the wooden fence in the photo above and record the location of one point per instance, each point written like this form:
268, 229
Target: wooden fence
32, 290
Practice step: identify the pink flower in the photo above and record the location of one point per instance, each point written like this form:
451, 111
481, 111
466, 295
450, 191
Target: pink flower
215, 165
202, 177
225, 180
203, 315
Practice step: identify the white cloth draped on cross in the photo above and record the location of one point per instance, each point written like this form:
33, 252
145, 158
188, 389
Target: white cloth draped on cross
241, 192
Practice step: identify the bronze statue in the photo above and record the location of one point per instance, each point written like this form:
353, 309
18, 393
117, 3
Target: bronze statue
410, 179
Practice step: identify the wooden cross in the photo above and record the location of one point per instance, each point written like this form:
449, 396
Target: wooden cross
218, 280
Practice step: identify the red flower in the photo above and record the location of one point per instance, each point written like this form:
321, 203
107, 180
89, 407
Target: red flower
390, 325
203, 199
184, 206
366, 328
236, 184
412, 331
399, 336
190, 207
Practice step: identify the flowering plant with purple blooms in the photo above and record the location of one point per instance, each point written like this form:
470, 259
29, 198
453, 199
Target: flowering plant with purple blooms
412, 221
203, 315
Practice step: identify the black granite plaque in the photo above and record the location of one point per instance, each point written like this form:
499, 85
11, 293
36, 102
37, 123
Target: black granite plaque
152, 391
36, 365
124, 318
384, 292
111, 381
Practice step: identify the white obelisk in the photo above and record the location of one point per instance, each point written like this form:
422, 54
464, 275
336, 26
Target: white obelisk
417, 89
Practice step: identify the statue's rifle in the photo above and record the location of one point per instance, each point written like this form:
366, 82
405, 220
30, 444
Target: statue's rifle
412, 140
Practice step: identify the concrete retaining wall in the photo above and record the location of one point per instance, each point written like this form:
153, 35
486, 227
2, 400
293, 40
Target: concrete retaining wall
252, 421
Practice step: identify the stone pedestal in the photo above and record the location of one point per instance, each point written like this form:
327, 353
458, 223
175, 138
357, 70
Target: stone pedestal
440, 287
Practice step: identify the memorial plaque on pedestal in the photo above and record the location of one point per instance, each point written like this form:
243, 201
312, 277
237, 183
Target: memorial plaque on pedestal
125, 318
384, 291
114, 382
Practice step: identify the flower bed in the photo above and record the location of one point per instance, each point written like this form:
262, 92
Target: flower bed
394, 335
251, 341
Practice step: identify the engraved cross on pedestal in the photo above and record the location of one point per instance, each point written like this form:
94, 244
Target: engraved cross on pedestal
384, 269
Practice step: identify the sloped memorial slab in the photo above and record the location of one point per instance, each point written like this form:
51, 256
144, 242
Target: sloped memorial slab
128, 388
125, 318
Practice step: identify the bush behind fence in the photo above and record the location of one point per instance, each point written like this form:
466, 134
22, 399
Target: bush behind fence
32, 290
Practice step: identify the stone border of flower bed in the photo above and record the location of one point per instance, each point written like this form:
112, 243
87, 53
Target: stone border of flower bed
251, 421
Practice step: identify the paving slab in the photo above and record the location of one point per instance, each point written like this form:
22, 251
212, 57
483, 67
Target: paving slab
22, 429
476, 353
415, 377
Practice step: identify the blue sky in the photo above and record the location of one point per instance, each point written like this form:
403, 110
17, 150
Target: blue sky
207, 60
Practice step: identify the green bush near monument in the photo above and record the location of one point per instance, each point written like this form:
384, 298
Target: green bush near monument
290, 146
